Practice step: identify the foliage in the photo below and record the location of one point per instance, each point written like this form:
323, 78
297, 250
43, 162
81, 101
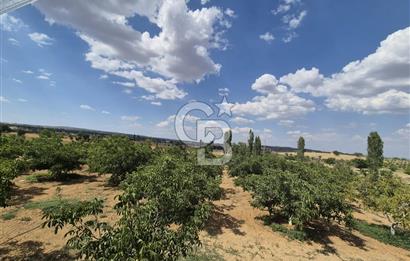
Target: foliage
389, 195
9, 169
118, 156
382, 233
258, 146
335, 152
374, 151
251, 141
301, 191
289, 233
301, 148
360, 163
49, 152
330, 161
9, 214
162, 209
12, 147
228, 137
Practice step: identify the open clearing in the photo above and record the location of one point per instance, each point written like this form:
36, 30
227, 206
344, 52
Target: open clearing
234, 231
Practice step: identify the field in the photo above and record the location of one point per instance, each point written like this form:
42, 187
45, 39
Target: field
228, 210
234, 232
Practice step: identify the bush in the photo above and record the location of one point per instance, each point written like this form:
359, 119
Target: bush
360, 163
330, 161
162, 210
302, 191
48, 152
118, 156
336, 153
9, 169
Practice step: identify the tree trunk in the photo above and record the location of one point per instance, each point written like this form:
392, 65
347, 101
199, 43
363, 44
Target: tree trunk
393, 229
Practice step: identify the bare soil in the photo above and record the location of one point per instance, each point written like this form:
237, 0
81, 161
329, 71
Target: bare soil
234, 231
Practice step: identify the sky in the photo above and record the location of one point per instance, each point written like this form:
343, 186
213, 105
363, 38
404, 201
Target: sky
330, 71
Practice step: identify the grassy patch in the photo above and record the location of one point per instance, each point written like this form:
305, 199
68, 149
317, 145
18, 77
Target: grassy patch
9, 214
290, 233
55, 201
39, 177
382, 234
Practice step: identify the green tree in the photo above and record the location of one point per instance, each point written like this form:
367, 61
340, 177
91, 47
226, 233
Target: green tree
301, 148
374, 151
118, 156
251, 141
49, 152
228, 137
258, 146
162, 210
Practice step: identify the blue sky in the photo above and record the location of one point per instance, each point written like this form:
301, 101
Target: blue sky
331, 71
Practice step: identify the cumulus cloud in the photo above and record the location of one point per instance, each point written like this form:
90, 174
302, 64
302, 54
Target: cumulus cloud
277, 103
378, 83
180, 52
171, 119
229, 12
21, 100
125, 84
10, 23
404, 132
286, 123
241, 120
156, 103
87, 107
41, 39
105, 112
267, 37
28, 72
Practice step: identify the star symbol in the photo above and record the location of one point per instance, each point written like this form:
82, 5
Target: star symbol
224, 107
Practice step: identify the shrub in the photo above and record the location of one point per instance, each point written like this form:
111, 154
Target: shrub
118, 156
330, 161
9, 169
360, 163
335, 152
48, 152
162, 210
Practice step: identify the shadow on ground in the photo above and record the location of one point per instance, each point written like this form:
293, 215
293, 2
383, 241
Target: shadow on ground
32, 250
220, 220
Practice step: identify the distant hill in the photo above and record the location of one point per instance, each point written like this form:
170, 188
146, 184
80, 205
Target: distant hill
90, 132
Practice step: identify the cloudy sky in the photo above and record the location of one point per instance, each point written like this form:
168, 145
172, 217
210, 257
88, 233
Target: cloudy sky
331, 71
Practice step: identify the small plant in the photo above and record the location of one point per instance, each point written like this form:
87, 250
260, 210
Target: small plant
25, 219
9, 214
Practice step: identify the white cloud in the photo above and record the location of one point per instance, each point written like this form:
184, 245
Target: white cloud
223, 91
126, 84
303, 80
10, 23
285, 6
21, 100
180, 52
105, 112
289, 37
41, 39
43, 77
148, 97
267, 37
378, 83
3, 99
171, 119
278, 102
17, 81
203, 2
286, 123
14, 41
229, 12
156, 103
294, 21
130, 118
28, 72
103, 76
404, 132
241, 120
127, 91
87, 107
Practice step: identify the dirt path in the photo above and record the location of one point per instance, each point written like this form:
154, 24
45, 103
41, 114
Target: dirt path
236, 233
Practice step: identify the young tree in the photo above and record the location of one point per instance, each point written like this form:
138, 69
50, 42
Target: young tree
374, 151
258, 146
118, 156
228, 137
250, 141
301, 148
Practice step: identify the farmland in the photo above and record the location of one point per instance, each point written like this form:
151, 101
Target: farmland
259, 206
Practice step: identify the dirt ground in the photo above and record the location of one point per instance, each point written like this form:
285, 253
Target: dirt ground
325, 155
234, 231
